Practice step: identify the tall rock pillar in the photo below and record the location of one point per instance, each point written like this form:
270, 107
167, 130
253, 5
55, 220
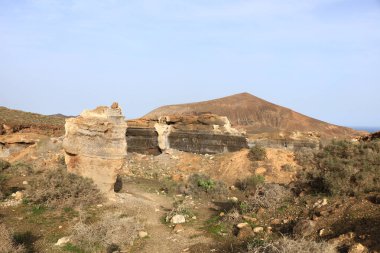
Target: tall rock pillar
95, 145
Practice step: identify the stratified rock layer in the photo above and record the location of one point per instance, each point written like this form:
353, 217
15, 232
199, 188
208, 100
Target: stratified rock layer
95, 145
202, 134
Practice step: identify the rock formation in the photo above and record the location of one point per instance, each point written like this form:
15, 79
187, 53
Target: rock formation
95, 145
203, 134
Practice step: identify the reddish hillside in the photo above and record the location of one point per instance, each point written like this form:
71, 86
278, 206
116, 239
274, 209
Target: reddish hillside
256, 115
20, 121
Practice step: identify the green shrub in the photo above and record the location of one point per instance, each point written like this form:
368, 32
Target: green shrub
257, 153
59, 188
341, 168
199, 183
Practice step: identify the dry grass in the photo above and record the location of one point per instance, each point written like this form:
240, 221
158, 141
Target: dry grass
287, 245
59, 188
114, 230
6, 242
266, 196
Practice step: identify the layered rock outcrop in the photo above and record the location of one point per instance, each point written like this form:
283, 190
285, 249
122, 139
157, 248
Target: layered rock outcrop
95, 145
202, 134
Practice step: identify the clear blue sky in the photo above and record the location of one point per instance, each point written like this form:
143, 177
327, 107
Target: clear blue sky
318, 57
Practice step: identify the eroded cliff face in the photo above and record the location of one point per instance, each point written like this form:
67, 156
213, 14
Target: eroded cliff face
202, 134
95, 145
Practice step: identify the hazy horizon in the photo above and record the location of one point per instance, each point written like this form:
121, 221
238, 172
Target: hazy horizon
317, 57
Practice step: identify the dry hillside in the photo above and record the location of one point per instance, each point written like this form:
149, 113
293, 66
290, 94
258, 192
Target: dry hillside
15, 121
256, 115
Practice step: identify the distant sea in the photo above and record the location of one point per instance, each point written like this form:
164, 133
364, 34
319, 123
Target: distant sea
368, 129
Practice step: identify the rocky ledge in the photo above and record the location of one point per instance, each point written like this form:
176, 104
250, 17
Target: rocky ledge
202, 134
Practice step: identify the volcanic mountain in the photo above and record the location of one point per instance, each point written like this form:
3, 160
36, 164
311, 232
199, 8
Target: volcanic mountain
256, 116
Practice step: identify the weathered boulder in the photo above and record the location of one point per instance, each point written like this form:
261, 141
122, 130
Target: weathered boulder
95, 145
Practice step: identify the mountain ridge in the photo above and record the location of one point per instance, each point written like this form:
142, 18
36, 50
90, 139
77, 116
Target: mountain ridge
256, 115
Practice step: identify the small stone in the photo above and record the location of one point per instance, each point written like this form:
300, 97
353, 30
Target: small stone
24, 182
18, 195
249, 219
63, 241
275, 222
99, 205
324, 202
258, 229
143, 234
194, 217
358, 248
234, 199
221, 214
269, 230
232, 188
185, 250
242, 225
60, 227
178, 219
322, 232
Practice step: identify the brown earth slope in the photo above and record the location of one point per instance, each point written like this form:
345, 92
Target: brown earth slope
19, 121
256, 115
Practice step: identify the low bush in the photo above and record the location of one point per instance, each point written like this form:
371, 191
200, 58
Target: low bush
60, 188
266, 196
181, 207
250, 183
257, 153
113, 231
199, 183
7, 245
287, 245
341, 168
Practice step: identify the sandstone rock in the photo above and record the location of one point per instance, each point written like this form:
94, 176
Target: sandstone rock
62, 241
358, 248
234, 199
24, 182
95, 145
18, 195
242, 225
248, 218
202, 134
304, 228
143, 234
178, 219
258, 229
275, 222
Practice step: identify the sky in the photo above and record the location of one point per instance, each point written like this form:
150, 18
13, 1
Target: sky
318, 57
